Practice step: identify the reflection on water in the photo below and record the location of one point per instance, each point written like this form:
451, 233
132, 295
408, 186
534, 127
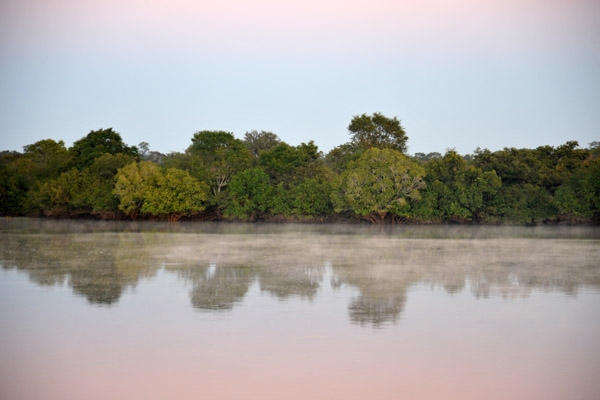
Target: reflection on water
140, 310
219, 263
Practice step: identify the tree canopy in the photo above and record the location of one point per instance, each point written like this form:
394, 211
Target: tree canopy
380, 182
378, 131
263, 178
96, 143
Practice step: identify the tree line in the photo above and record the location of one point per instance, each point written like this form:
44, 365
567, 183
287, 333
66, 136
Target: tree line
371, 177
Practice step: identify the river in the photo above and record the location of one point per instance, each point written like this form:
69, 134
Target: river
149, 310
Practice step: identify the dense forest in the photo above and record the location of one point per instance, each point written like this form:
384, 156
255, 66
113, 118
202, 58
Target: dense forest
262, 178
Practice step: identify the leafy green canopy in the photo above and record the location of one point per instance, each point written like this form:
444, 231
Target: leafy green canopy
378, 131
96, 143
456, 189
175, 194
214, 157
249, 194
148, 189
75, 191
379, 182
287, 164
260, 141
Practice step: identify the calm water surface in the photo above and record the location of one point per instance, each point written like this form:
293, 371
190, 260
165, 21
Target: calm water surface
125, 310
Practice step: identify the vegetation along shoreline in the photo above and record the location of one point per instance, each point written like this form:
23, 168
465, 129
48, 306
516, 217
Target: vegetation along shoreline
371, 178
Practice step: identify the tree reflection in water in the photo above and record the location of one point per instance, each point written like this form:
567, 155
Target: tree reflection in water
220, 265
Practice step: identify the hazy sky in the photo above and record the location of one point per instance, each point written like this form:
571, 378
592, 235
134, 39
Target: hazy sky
462, 74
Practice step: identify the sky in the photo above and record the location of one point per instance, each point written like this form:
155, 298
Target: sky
458, 74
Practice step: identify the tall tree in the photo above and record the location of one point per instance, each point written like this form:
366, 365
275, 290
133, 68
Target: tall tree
379, 184
133, 183
378, 131
96, 143
215, 157
457, 190
260, 141
249, 194
175, 194
46, 159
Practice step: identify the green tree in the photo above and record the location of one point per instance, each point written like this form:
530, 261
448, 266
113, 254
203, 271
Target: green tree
62, 196
133, 182
457, 190
378, 131
290, 164
379, 184
260, 141
96, 143
312, 198
13, 184
100, 180
45, 159
524, 204
340, 156
215, 156
579, 196
175, 194
288, 168
426, 157
249, 194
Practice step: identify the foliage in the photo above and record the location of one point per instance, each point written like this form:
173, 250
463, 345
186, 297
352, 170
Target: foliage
288, 164
146, 188
579, 196
133, 182
96, 143
545, 166
260, 141
457, 190
45, 159
427, 157
249, 194
339, 157
214, 157
378, 183
312, 198
100, 180
263, 177
175, 194
13, 184
377, 131
523, 204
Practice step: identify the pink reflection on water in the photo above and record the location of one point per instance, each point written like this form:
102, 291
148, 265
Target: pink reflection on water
154, 346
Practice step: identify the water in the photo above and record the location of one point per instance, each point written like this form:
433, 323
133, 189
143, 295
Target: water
141, 310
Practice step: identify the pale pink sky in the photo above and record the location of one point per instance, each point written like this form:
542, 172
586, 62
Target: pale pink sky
180, 66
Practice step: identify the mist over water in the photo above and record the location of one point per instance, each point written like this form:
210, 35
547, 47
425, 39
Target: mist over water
408, 301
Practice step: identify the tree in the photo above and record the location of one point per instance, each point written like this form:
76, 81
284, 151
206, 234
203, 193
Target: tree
215, 157
260, 141
133, 182
96, 143
340, 156
312, 198
287, 164
288, 168
143, 149
175, 194
45, 159
457, 190
13, 184
426, 157
579, 196
378, 131
379, 184
100, 179
62, 195
249, 194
